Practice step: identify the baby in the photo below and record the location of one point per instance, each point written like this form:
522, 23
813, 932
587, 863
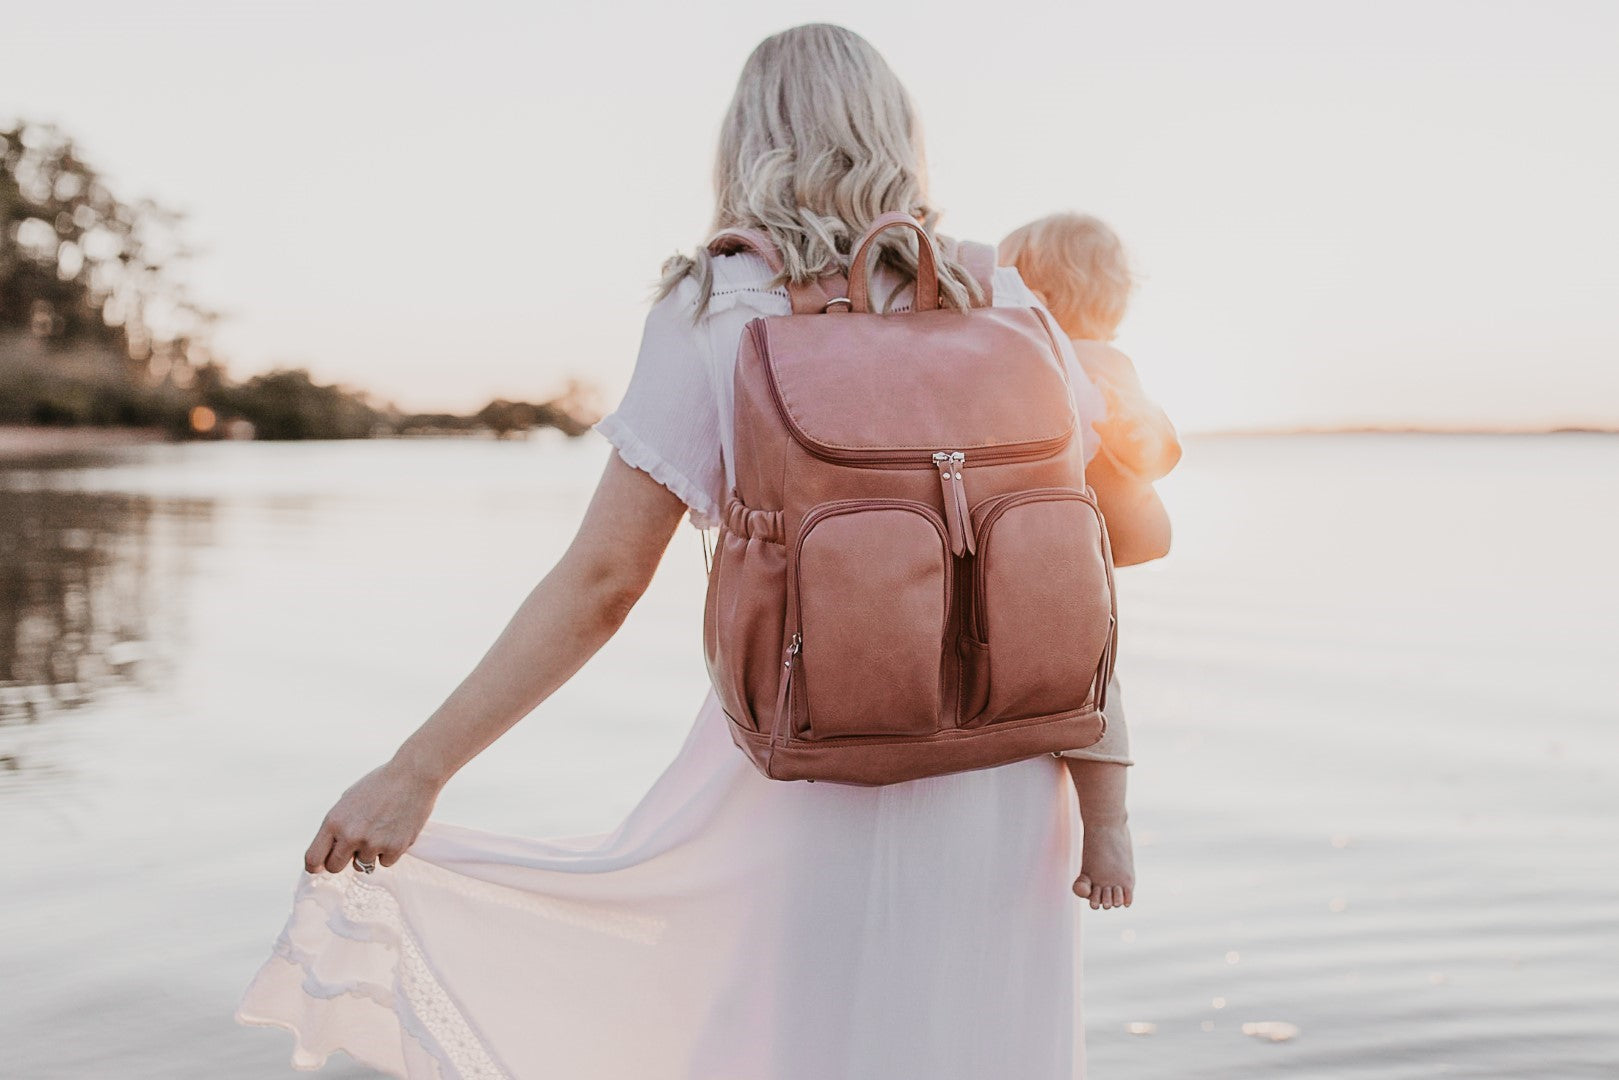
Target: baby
1077, 266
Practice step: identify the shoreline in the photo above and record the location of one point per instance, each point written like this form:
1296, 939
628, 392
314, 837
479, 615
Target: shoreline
22, 441
26, 441
1270, 433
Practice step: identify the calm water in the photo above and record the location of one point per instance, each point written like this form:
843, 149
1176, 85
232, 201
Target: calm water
1373, 696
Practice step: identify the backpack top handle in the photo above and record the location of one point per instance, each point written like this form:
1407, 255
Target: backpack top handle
927, 264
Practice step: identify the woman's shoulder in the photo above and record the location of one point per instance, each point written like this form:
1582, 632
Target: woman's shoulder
744, 278
739, 281
741, 269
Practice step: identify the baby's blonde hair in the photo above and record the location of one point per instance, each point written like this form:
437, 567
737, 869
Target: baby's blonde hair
820, 138
1078, 267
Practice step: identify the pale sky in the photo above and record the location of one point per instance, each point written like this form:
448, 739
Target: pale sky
1397, 212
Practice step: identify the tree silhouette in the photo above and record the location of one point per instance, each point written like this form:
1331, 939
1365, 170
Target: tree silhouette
97, 327
81, 267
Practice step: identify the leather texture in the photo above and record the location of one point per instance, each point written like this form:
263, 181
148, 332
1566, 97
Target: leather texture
920, 406
927, 269
912, 576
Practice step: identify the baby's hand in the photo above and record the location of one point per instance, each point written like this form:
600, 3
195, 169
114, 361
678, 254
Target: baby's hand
1107, 876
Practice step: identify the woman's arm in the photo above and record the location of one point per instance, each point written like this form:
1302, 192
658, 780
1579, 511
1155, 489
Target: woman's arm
562, 623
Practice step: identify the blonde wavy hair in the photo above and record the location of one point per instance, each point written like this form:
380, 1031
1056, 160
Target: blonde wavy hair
1077, 265
819, 139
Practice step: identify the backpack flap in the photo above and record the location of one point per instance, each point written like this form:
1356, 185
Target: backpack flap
886, 389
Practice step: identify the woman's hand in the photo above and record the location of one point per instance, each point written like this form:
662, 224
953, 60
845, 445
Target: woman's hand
377, 819
567, 617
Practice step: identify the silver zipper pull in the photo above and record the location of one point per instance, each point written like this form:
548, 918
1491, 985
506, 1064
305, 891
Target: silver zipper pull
781, 729
948, 461
958, 459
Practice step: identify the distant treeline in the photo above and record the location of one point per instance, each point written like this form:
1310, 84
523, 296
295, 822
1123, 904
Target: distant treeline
96, 326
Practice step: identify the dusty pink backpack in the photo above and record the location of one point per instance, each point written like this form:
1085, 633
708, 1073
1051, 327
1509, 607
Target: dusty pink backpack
912, 576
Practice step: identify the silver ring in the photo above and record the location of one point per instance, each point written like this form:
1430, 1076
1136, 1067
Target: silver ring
362, 866
837, 300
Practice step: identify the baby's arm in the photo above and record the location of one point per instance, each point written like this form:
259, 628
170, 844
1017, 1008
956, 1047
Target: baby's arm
1107, 876
1137, 523
1137, 433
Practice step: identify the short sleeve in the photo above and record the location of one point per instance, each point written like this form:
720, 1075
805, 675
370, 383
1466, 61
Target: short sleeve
668, 423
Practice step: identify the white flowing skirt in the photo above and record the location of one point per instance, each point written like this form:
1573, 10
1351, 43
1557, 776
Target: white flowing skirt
732, 928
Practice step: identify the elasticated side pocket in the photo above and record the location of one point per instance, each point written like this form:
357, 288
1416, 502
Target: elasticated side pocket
873, 580
1042, 602
742, 626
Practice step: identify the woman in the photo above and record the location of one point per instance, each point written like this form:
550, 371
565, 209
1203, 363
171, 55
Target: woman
733, 926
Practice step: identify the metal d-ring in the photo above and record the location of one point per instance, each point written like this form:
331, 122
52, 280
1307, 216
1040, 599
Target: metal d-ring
837, 300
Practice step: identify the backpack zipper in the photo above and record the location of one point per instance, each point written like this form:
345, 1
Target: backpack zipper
956, 513
783, 697
903, 457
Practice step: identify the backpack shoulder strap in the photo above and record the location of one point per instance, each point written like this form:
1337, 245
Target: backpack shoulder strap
807, 299
731, 241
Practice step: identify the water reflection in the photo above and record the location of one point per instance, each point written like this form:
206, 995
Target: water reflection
1323, 752
89, 599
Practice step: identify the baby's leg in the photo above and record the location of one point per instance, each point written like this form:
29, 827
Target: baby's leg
1107, 876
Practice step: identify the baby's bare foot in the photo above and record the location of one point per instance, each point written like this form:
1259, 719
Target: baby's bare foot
1107, 875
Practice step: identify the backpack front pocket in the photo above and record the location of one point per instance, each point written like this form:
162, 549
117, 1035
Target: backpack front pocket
1043, 608
872, 581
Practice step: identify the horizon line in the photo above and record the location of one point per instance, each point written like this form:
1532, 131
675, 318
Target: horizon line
1403, 429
